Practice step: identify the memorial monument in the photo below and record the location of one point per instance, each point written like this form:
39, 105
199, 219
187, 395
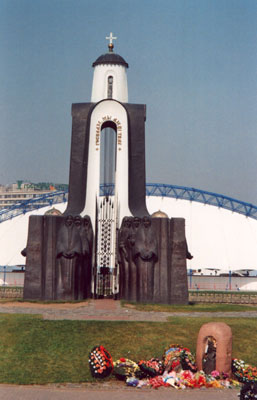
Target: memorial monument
106, 243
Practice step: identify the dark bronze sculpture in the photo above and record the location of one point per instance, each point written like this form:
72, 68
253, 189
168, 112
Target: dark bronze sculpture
124, 256
152, 260
209, 358
86, 235
138, 253
145, 255
69, 257
59, 258
73, 253
133, 271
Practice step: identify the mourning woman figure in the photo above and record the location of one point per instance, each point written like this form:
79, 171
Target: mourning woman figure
124, 256
145, 255
133, 270
68, 254
86, 234
209, 358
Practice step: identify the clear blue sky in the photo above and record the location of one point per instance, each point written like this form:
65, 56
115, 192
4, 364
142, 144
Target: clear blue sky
192, 62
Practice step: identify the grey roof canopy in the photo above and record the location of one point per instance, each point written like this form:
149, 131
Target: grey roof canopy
110, 58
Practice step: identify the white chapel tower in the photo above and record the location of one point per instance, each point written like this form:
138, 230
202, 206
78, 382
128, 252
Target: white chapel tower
107, 167
108, 136
110, 77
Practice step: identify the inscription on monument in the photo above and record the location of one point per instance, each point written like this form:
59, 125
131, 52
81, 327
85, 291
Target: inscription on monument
98, 130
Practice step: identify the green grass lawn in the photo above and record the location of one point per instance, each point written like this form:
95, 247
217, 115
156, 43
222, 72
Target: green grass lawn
196, 307
33, 350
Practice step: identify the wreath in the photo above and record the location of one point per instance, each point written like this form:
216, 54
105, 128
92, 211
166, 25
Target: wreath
151, 367
100, 362
187, 360
176, 357
125, 368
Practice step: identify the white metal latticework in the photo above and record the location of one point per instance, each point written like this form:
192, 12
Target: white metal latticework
106, 279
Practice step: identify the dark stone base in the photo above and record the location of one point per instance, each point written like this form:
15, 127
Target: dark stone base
166, 284
40, 281
170, 272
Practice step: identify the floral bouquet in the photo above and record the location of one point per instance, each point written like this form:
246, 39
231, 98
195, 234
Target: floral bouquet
187, 360
125, 368
152, 367
176, 357
244, 372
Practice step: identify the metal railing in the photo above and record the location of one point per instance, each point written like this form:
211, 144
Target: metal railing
37, 202
152, 189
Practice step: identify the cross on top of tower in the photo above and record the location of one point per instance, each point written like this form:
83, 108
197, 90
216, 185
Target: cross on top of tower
111, 38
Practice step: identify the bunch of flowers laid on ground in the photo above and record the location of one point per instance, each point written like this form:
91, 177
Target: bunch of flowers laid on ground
176, 369
125, 368
244, 372
176, 357
187, 360
151, 367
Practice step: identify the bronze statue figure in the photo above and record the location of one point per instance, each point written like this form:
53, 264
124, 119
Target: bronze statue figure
209, 358
145, 255
86, 235
68, 254
124, 256
133, 276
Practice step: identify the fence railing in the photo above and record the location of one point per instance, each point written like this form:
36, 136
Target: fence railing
194, 296
222, 283
231, 298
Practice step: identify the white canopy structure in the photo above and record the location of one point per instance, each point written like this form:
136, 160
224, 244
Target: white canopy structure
217, 238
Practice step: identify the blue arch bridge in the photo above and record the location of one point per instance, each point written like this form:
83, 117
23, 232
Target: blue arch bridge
152, 189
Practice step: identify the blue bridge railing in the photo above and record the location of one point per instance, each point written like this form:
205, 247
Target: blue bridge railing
44, 200
152, 189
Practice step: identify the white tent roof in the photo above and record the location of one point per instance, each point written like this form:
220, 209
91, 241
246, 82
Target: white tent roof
13, 236
217, 238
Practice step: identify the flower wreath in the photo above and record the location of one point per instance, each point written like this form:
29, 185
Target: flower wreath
152, 367
100, 362
171, 357
125, 368
176, 357
187, 360
244, 372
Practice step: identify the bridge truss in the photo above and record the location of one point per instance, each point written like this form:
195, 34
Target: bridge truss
152, 189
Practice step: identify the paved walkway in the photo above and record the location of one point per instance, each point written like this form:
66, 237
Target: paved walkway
106, 310
106, 392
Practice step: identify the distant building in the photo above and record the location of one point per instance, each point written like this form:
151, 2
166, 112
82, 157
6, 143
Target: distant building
22, 191
13, 194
